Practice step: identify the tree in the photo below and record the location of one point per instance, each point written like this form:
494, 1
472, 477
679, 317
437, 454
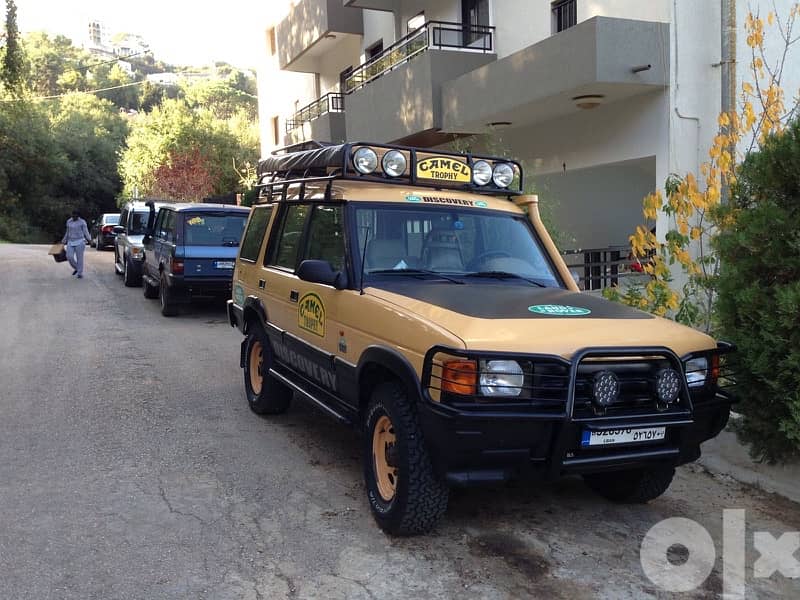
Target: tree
13, 60
185, 176
758, 306
692, 202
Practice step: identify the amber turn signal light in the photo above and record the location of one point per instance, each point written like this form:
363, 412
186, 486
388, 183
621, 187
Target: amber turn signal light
459, 377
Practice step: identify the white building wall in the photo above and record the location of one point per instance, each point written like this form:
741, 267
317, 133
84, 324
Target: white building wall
378, 25
346, 53
279, 92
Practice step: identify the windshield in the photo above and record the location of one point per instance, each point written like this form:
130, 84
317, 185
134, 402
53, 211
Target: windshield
447, 240
111, 219
137, 223
218, 229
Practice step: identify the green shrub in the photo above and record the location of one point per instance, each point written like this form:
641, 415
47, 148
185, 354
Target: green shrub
758, 307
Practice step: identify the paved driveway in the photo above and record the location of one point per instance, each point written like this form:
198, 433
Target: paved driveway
131, 467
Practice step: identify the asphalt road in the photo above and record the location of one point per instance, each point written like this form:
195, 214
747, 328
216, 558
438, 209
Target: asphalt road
131, 467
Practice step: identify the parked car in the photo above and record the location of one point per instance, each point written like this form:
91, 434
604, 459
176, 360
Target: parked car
128, 248
102, 230
190, 251
416, 295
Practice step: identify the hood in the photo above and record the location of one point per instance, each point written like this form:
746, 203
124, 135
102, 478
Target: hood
511, 317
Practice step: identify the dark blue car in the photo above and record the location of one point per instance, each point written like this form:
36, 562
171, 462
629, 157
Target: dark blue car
190, 252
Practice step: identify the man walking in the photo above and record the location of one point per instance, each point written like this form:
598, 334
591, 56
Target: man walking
75, 239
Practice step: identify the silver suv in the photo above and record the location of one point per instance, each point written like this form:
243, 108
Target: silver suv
128, 249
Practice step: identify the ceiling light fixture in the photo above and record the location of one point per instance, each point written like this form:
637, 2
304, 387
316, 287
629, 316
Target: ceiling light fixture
588, 101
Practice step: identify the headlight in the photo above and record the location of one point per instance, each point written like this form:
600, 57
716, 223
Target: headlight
137, 252
668, 385
481, 172
503, 175
394, 163
696, 371
501, 378
365, 160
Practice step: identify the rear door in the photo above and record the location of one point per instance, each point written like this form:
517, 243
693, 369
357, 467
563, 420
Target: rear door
211, 242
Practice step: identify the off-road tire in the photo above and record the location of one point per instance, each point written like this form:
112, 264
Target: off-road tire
265, 394
168, 307
420, 498
631, 487
149, 291
128, 278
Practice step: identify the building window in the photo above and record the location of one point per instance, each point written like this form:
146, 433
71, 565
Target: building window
275, 132
416, 21
374, 50
565, 14
475, 12
272, 44
343, 78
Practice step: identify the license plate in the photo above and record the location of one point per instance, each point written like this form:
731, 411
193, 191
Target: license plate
622, 436
223, 264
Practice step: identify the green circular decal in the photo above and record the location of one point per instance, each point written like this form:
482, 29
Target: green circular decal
413, 198
238, 294
481, 203
559, 310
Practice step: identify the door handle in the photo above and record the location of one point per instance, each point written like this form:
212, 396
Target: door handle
261, 284
294, 295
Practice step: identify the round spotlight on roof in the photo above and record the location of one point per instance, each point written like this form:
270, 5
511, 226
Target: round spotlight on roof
394, 163
503, 174
605, 389
365, 160
481, 172
668, 385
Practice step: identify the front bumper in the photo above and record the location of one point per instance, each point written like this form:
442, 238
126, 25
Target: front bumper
481, 445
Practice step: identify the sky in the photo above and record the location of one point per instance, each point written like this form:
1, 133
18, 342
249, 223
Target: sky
179, 32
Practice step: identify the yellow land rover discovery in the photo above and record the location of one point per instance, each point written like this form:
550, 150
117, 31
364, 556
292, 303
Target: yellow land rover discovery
416, 295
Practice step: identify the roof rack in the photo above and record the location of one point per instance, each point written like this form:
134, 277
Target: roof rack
313, 161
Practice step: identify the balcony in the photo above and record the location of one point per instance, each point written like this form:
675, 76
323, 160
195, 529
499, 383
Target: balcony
396, 96
603, 60
314, 28
322, 120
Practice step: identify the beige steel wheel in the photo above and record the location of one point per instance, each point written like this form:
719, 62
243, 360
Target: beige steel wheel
256, 362
405, 495
384, 458
266, 395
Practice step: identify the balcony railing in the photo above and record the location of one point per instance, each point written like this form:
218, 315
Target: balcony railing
440, 35
332, 102
598, 268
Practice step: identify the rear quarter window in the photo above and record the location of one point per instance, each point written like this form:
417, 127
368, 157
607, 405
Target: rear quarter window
254, 235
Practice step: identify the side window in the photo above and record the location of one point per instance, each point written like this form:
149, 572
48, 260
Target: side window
254, 235
169, 227
123, 218
326, 235
284, 253
159, 226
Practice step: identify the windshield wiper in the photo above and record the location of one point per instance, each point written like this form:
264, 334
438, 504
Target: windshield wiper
414, 272
230, 243
504, 275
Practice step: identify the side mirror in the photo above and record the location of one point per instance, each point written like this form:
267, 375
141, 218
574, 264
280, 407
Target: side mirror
119, 229
321, 271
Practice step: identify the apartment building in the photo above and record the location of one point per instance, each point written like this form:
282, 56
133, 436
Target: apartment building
601, 99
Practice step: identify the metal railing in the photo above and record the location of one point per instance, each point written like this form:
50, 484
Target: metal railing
329, 103
433, 34
598, 268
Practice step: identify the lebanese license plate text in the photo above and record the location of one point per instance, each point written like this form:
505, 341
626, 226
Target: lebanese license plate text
622, 436
224, 264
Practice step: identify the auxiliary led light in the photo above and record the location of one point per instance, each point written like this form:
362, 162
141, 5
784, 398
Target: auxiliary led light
394, 163
606, 388
668, 385
365, 160
481, 172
